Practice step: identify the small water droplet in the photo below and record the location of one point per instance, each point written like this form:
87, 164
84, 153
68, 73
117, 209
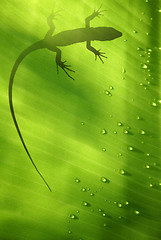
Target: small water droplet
142, 132
119, 124
104, 131
126, 131
103, 149
138, 118
159, 101
72, 216
130, 148
111, 87
91, 194
147, 154
123, 70
107, 92
159, 10
150, 185
119, 205
134, 31
82, 123
104, 180
122, 172
147, 166
83, 189
105, 225
104, 214
77, 180
147, 34
84, 203
69, 232
141, 84
136, 212
126, 203
115, 132
154, 104
100, 210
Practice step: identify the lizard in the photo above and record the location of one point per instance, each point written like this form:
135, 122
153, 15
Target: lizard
52, 43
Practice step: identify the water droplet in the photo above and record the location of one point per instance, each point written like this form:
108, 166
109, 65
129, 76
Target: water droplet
104, 214
142, 132
83, 189
138, 49
105, 225
130, 148
147, 166
147, 154
147, 34
126, 203
125, 40
77, 211
123, 70
134, 31
159, 10
104, 131
119, 124
138, 118
136, 212
154, 104
107, 92
77, 180
91, 194
122, 172
111, 87
72, 216
104, 180
84, 203
119, 205
69, 232
150, 185
115, 132
82, 123
159, 101
103, 149
126, 131
144, 66
100, 210
141, 84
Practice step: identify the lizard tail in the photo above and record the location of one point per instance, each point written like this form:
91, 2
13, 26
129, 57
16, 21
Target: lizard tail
28, 50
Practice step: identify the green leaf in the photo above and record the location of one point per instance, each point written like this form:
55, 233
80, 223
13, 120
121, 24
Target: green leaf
96, 140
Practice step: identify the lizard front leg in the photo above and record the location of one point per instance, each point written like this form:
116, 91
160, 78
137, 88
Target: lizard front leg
96, 52
92, 16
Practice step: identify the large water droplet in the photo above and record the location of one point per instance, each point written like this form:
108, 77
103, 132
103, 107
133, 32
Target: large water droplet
84, 203
130, 148
144, 66
104, 180
136, 212
104, 131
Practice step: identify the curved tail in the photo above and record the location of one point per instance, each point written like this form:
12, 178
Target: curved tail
28, 50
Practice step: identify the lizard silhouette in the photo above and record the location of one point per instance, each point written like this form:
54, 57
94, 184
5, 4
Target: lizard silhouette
52, 43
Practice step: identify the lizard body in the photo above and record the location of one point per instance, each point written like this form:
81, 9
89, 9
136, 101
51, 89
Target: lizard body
52, 43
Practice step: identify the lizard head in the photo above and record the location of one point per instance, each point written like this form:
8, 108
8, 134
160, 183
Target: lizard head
107, 33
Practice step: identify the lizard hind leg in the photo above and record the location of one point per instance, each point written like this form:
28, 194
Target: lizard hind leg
62, 64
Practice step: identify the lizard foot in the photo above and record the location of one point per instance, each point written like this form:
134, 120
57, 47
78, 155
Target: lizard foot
100, 55
98, 13
65, 68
